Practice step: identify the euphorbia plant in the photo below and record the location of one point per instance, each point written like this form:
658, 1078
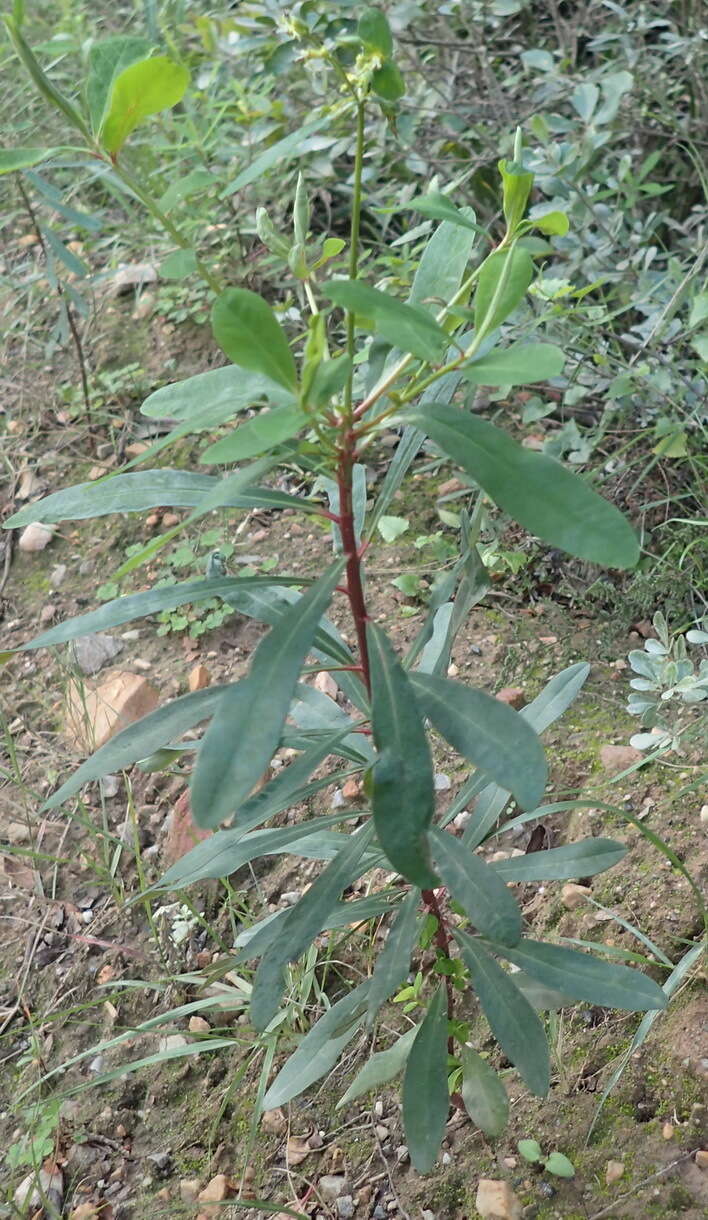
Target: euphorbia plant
320, 402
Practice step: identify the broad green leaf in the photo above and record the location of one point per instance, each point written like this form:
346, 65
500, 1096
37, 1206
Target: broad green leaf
247, 727
501, 287
553, 223
247, 330
517, 183
440, 207
403, 795
258, 435
320, 1050
559, 1165
380, 1068
426, 1100
391, 528
138, 91
585, 977
583, 859
439, 276
405, 326
584, 99
184, 187
393, 962
13, 159
178, 265
375, 32
534, 489
329, 379
107, 59
545, 999
486, 1100
138, 605
520, 364
224, 391
530, 1150
511, 1018
141, 739
387, 81
487, 732
301, 925
282, 150
484, 897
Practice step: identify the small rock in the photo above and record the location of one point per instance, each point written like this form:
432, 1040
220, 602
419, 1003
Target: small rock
161, 1161
198, 1025
351, 789
98, 471
345, 1207
667, 1131
510, 1162
199, 678
337, 799
48, 613
614, 759
702, 1158
613, 1171
382, 1132
142, 663
131, 275
96, 1065
110, 786
57, 575
402, 1154
92, 652
170, 519
172, 1042
331, 1186
496, 1200
16, 833
704, 814
290, 897
442, 782
34, 1189
153, 520
514, 697
573, 896
189, 1190
462, 819
274, 1121
94, 716
36, 536
29, 485
325, 683
702, 1068
450, 486
135, 448
215, 1191
144, 308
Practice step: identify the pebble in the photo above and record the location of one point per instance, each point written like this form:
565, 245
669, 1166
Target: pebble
96, 1065
16, 833
614, 759
667, 1131
462, 819
290, 897
189, 1189
199, 678
495, 1200
345, 1207
215, 1191
442, 782
337, 799
573, 896
198, 1025
110, 786
613, 1172
92, 652
702, 1158
513, 696
172, 1042
57, 575
331, 1186
35, 537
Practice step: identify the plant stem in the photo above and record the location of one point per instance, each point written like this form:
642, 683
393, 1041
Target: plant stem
354, 247
442, 941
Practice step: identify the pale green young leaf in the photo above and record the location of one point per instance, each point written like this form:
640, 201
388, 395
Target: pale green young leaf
511, 1018
553, 223
480, 892
516, 184
247, 330
405, 326
559, 1165
143, 89
583, 859
391, 528
380, 1068
487, 732
584, 977
536, 490
504, 278
520, 364
402, 776
425, 1094
257, 435
486, 1100
247, 727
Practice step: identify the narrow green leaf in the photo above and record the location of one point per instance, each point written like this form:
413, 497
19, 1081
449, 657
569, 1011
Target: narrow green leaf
225, 391
536, 490
403, 795
483, 895
393, 962
107, 59
426, 1099
13, 159
503, 280
487, 732
380, 1068
375, 32
440, 207
247, 727
486, 1100
247, 330
141, 739
405, 326
585, 977
517, 183
254, 941
282, 150
520, 364
256, 436
583, 859
143, 89
320, 1049
301, 925
511, 1018
37, 74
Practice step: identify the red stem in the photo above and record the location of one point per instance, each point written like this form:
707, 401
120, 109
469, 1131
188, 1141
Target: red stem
355, 588
442, 940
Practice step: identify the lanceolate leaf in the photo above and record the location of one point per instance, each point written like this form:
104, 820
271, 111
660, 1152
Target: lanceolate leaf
520, 364
403, 795
511, 1018
138, 605
256, 436
374, 31
141, 739
441, 207
393, 963
14, 159
503, 280
282, 150
536, 490
224, 392
486, 1100
248, 724
405, 326
320, 1050
247, 330
487, 732
483, 895
138, 91
302, 924
585, 977
380, 1068
426, 1099
583, 859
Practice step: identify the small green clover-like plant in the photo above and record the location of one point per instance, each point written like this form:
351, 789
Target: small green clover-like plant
668, 678
555, 1163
